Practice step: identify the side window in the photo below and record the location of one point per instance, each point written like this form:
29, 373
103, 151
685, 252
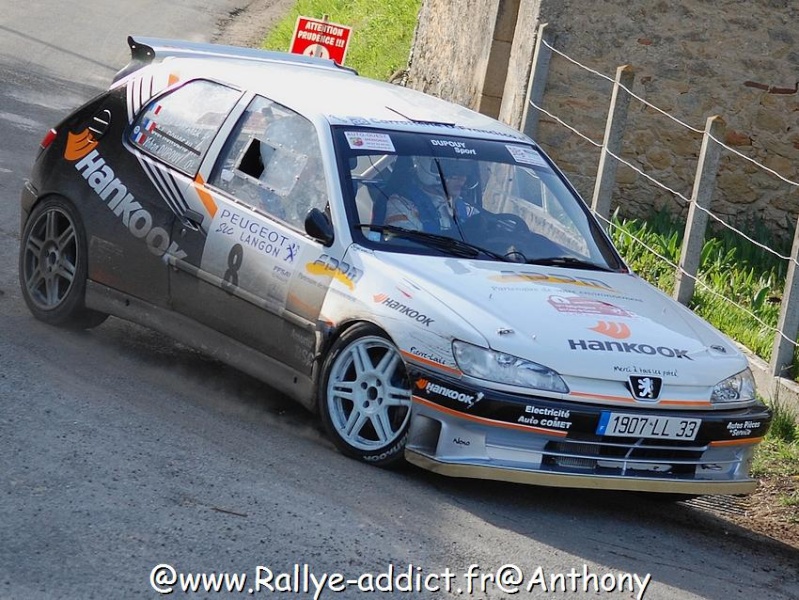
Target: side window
273, 163
178, 128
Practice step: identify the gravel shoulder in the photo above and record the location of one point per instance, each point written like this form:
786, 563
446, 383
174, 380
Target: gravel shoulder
248, 26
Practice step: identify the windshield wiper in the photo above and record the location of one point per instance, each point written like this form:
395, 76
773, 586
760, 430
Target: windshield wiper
443, 242
568, 261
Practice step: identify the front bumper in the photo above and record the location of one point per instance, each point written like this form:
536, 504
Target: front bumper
485, 434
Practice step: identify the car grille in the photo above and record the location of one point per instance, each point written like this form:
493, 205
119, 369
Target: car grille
623, 456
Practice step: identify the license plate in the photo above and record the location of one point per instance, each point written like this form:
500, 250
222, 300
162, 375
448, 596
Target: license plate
647, 426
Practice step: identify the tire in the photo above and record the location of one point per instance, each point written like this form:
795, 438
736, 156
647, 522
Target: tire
365, 397
53, 266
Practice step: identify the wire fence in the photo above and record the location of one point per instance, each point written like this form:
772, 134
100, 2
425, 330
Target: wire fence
785, 334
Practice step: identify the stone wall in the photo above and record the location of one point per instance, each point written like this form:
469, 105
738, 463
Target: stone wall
693, 59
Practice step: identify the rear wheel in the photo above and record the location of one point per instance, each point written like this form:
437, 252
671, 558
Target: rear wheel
365, 399
53, 266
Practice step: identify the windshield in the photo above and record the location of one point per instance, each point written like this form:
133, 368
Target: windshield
502, 199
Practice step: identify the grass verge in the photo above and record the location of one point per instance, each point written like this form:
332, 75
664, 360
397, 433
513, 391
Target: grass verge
381, 36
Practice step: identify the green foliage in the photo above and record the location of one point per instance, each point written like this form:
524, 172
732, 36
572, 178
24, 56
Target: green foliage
776, 458
641, 241
784, 427
381, 36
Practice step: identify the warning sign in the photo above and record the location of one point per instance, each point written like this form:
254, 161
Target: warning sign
321, 38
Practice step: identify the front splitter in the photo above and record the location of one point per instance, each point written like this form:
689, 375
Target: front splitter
598, 482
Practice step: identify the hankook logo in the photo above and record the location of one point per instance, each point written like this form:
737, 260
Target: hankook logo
436, 389
618, 331
403, 309
101, 178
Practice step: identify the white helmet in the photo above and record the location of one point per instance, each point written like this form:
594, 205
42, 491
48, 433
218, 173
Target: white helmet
427, 170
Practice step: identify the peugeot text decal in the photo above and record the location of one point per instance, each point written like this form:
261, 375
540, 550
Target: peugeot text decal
256, 234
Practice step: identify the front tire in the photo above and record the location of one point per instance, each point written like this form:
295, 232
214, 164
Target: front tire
53, 266
365, 396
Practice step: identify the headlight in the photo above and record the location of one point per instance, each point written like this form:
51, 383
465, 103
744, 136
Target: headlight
505, 368
738, 388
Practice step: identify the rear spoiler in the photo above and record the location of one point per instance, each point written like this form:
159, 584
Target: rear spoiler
145, 50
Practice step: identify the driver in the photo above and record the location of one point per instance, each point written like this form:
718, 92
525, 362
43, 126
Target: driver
422, 204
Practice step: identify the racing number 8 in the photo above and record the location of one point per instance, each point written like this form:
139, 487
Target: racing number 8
234, 260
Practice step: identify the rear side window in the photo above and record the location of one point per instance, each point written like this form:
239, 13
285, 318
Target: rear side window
178, 128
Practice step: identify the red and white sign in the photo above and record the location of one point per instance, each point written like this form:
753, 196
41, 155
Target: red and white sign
317, 37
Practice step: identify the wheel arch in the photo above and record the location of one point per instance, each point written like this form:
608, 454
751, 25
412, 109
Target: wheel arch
330, 333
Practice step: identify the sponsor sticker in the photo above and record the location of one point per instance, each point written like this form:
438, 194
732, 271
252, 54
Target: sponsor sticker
457, 147
526, 156
403, 309
436, 389
628, 348
101, 178
542, 416
577, 305
550, 279
368, 140
327, 266
256, 234
427, 355
743, 428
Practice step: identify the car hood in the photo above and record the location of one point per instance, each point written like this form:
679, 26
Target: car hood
584, 323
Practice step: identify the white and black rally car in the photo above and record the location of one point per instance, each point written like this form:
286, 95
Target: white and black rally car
246, 203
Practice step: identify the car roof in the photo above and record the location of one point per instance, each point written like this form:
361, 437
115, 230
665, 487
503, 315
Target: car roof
321, 89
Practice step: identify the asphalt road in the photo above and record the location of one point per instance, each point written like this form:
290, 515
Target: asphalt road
121, 450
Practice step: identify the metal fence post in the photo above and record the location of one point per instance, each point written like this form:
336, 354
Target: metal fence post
704, 186
614, 135
788, 325
539, 72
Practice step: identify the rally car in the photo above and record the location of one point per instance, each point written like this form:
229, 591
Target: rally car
421, 275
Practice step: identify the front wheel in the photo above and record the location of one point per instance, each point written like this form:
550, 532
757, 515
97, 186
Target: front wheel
53, 266
365, 396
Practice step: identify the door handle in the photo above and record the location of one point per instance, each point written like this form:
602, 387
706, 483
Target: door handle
193, 220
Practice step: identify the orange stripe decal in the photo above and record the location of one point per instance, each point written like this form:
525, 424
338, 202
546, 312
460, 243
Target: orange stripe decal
205, 197
485, 421
686, 403
626, 400
601, 397
741, 442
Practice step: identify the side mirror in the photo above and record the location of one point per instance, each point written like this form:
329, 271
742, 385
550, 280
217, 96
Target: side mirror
319, 227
